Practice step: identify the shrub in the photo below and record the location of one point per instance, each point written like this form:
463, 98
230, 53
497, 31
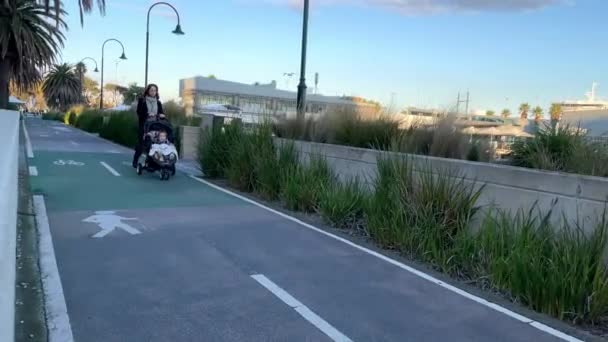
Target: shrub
121, 128
90, 121
473, 154
554, 269
563, 149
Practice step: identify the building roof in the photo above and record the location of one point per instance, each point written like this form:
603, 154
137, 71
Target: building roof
200, 83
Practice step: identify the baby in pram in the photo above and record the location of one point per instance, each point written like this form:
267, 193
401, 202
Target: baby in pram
162, 150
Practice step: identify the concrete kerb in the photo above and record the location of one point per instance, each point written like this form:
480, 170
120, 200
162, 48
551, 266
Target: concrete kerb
9, 178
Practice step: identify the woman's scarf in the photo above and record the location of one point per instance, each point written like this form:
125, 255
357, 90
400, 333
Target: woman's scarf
152, 104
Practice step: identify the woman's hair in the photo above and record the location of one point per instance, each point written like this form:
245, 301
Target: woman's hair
147, 91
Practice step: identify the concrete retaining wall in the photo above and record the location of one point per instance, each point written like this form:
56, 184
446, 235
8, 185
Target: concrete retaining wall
9, 123
507, 187
189, 140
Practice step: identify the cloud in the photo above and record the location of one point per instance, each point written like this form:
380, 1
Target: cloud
425, 7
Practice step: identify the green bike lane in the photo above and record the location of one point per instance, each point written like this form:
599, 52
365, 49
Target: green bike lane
164, 283
204, 265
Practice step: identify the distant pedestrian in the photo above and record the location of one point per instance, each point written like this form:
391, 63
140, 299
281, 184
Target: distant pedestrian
148, 105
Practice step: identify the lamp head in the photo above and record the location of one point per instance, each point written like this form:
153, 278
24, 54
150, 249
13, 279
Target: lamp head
123, 56
178, 30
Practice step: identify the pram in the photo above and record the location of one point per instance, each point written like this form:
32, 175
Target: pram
157, 161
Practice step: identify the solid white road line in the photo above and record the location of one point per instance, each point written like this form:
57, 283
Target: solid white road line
57, 318
33, 171
300, 308
109, 168
28, 143
484, 302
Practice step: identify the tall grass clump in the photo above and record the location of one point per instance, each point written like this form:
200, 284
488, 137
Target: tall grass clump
303, 185
557, 269
342, 204
563, 149
267, 166
215, 147
344, 127
420, 211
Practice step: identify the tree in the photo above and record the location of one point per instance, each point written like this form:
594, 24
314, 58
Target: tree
538, 114
61, 87
32, 96
90, 90
506, 113
29, 42
556, 112
133, 92
117, 91
524, 108
212, 76
85, 6
490, 113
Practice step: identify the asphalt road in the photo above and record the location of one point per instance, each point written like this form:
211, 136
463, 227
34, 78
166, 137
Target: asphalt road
145, 260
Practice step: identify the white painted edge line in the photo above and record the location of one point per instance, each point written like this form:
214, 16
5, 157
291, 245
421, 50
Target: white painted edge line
28, 143
58, 321
484, 302
301, 309
33, 171
109, 168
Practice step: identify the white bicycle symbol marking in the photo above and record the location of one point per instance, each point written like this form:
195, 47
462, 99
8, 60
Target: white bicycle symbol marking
62, 162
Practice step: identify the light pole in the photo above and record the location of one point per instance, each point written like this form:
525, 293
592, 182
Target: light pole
81, 73
301, 104
177, 31
102, 52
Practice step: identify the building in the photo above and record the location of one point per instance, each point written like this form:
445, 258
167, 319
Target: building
591, 114
260, 99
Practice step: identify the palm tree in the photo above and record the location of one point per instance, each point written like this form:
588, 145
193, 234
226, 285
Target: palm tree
61, 87
505, 113
538, 114
29, 42
556, 112
85, 6
524, 108
490, 113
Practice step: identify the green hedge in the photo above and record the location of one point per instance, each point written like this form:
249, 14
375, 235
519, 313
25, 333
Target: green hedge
90, 121
121, 128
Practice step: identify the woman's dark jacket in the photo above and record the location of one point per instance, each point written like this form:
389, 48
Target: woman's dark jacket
142, 112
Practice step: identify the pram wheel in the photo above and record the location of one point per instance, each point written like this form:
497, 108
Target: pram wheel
164, 174
173, 170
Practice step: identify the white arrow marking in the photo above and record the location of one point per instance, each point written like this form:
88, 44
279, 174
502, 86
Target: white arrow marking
108, 221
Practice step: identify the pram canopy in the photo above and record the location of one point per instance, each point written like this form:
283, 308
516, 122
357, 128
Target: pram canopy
159, 125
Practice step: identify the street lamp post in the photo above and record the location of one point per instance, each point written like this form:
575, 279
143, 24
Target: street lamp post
82, 76
177, 31
301, 104
102, 53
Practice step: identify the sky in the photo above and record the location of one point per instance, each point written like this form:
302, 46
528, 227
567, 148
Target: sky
401, 52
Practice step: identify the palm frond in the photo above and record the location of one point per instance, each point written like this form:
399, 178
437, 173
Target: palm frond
29, 40
84, 6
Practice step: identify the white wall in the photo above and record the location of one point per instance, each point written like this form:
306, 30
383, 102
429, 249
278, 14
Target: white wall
507, 187
9, 124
